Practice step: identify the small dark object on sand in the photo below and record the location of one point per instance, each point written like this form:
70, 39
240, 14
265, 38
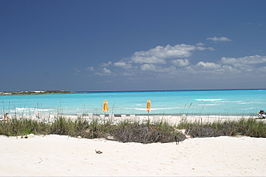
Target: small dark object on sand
98, 151
176, 140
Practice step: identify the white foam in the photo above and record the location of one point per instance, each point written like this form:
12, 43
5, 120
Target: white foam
208, 104
31, 110
238, 102
241, 102
250, 108
209, 99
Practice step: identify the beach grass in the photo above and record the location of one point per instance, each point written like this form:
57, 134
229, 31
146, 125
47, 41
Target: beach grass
133, 131
146, 132
244, 127
15, 127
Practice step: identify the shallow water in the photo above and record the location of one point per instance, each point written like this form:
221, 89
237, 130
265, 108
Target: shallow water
163, 102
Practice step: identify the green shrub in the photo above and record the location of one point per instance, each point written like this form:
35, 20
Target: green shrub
147, 133
62, 126
16, 127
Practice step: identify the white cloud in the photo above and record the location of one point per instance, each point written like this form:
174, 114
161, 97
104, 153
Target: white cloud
159, 54
219, 39
247, 60
151, 59
103, 71
176, 67
158, 69
181, 62
148, 67
245, 64
107, 71
237, 65
175, 60
157, 59
208, 65
122, 64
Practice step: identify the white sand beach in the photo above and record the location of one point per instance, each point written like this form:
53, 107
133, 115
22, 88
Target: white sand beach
55, 155
171, 119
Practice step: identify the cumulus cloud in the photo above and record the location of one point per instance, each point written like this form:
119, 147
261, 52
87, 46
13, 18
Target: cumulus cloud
107, 71
176, 59
103, 72
148, 67
208, 65
148, 59
246, 63
247, 60
239, 65
160, 54
219, 39
122, 64
181, 62
157, 59
158, 69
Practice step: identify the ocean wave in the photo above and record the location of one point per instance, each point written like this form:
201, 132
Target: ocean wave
209, 99
238, 102
208, 104
224, 101
250, 108
242, 102
31, 110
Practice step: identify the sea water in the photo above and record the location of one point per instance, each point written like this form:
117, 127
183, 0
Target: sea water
221, 102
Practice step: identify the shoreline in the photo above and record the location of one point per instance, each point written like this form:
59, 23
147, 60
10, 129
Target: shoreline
171, 118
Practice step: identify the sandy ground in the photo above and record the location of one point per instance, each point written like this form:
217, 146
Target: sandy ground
56, 155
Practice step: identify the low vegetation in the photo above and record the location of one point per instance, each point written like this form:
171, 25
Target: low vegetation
126, 131
146, 132
244, 127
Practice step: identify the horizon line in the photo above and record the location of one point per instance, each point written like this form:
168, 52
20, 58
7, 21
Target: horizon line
154, 90
137, 90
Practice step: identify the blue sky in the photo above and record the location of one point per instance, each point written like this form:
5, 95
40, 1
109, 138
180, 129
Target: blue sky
129, 45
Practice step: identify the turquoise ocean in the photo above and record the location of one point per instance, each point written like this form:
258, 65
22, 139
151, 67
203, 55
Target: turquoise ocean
220, 102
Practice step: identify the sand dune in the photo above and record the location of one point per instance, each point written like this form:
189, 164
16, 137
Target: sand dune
56, 155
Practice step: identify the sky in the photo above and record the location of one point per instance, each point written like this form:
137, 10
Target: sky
84, 45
